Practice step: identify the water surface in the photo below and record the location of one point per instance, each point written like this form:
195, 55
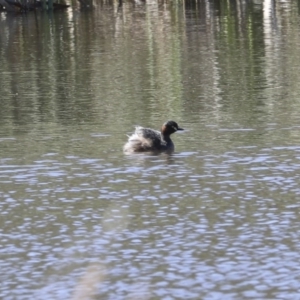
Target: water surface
218, 219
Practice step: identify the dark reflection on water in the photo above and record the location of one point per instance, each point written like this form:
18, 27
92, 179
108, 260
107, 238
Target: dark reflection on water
218, 219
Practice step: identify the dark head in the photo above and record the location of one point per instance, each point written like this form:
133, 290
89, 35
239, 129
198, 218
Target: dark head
170, 127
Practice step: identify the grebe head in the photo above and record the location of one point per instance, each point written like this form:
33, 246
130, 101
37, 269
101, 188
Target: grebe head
170, 127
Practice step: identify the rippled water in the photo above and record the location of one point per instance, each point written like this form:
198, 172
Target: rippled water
190, 225
218, 219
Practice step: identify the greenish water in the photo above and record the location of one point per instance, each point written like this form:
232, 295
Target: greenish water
218, 219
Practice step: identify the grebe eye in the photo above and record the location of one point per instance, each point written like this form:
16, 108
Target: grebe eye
174, 128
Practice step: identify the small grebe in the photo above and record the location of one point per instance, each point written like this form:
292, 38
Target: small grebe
150, 140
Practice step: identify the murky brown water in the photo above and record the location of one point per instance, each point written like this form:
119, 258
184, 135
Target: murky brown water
218, 219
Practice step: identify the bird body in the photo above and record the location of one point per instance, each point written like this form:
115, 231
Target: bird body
150, 140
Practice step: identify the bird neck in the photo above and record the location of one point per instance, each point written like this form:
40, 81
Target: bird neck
166, 138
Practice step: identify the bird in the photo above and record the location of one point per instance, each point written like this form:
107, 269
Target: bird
151, 140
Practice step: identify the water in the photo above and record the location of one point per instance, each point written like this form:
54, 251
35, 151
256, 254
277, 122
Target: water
218, 219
